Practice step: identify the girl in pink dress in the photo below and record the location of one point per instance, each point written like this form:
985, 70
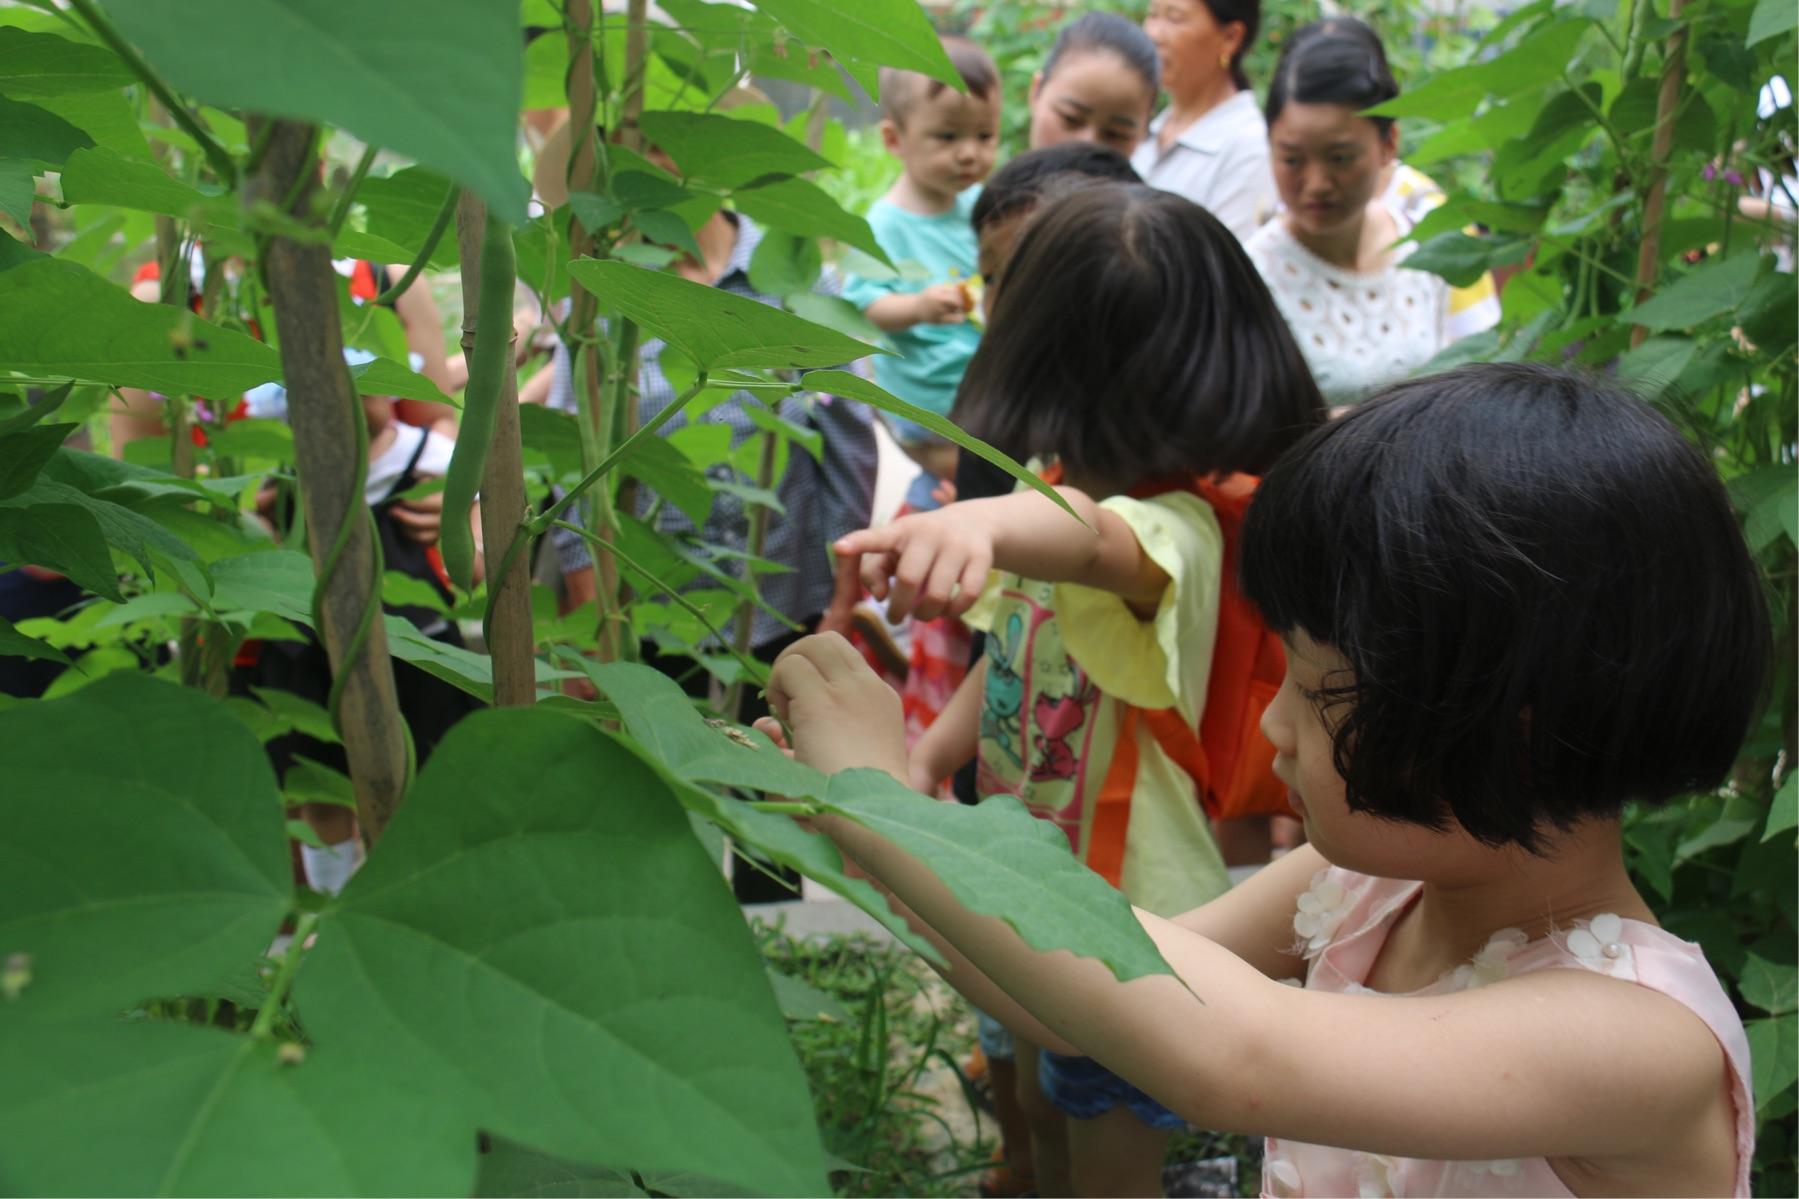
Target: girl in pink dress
1513, 599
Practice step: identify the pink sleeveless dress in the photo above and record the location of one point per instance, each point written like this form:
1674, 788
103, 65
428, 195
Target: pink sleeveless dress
1343, 921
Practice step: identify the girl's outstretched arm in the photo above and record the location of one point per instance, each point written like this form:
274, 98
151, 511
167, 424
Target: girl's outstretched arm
934, 563
1558, 1063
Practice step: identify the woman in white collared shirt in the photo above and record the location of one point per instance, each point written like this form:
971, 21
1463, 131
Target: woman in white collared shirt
1210, 144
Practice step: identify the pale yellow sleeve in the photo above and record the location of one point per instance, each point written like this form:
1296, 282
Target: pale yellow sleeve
980, 617
1164, 661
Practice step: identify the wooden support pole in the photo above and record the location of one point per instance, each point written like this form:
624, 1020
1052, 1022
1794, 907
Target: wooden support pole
330, 437
503, 508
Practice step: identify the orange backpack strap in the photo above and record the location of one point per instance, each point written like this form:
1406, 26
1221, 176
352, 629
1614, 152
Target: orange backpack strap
1112, 810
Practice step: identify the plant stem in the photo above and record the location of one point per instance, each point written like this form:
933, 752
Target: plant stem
1634, 41
507, 622
441, 222
742, 634
340, 211
588, 169
756, 669
222, 163
667, 414
284, 975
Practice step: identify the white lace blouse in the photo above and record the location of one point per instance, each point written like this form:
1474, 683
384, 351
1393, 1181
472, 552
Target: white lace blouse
1358, 332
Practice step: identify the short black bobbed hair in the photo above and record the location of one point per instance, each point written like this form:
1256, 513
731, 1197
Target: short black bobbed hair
1133, 339
1541, 591
1338, 60
1019, 185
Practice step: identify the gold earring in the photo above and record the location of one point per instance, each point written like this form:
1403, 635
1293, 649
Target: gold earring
1224, 62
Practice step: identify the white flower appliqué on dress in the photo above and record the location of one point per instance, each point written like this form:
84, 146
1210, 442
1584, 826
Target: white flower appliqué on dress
1321, 910
1600, 945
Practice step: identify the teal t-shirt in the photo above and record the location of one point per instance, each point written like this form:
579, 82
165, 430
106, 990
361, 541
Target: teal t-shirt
927, 250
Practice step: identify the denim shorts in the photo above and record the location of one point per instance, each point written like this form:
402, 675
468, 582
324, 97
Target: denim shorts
996, 1038
1084, 1089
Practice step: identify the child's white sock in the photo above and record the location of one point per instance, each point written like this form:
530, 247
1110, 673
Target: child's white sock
328, 869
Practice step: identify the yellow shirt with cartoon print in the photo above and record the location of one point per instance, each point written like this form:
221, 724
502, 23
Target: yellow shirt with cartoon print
1063, 660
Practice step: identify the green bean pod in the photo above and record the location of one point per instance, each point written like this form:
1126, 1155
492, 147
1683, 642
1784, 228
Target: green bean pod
491, 358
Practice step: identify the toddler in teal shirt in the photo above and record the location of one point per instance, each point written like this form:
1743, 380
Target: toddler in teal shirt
946, 141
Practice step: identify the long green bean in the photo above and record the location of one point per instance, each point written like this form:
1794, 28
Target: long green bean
491, 358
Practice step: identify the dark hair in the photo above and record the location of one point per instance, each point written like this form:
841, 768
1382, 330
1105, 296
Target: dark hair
1337, 60
1541, 592
1018, 186
1248, 13
1133, 340
1109, 33
900, 90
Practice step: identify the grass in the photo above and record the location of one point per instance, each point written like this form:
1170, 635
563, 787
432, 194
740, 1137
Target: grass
893, 1107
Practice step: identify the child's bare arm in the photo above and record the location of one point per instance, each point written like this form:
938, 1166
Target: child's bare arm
917, 563
938, 304
1558, 1063
1254, 919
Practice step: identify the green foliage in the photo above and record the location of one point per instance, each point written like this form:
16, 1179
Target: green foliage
419, 77
1565, 100
144, 877
714, 328
513, 1002
540, 947
867, 36
890, 1030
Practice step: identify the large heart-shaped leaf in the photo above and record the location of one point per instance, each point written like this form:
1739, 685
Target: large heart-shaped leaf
99, 176
60, 537
712, 327
15, 644
726, 151
801, 206
102, 1108
144, 853
401, 208
661, 718
535, 921
18, 189
436, 80
28, 131
108, 117
23, 455
1000, 860
34, 65
867, 35
1713, 288
57, 318
127, 528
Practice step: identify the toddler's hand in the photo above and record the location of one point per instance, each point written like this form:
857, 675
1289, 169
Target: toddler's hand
942, 304
841, 713
937, 562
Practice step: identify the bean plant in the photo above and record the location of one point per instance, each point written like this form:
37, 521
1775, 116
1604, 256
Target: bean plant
540, 973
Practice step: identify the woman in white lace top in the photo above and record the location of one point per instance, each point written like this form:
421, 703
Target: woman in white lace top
1361, 318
